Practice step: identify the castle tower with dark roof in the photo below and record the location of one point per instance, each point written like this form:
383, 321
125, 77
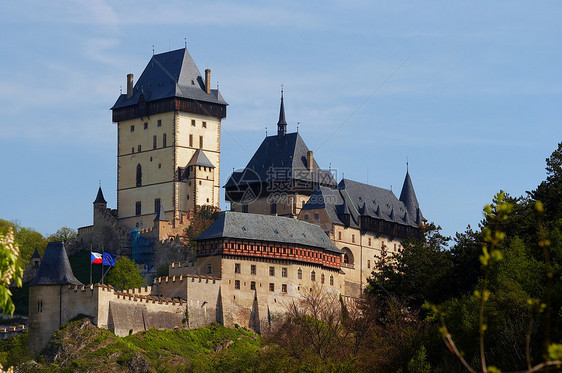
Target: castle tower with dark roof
169, 126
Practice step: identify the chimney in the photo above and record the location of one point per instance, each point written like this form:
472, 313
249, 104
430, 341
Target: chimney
310, 160
208, 80
129, 85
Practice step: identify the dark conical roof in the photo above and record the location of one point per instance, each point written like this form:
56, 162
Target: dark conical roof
408, 197
200, 159
55, 268
36, 255
282, 123
161, 215
99, 197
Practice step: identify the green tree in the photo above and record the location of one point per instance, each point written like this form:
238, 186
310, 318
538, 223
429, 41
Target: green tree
125, 275
202, 219
64, 234
10, 271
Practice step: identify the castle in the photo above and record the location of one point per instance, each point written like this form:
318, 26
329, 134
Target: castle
291, 227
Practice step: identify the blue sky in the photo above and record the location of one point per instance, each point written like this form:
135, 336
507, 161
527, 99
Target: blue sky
468, 92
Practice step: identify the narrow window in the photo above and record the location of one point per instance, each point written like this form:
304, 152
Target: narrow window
139, 175
284, 288
273, 208
339, 236
157, 205
40, 306
191, 141
237, 284
368, 263
209, 268
284, 272
204, 124
139, 147
322, 279
137, 208
193, 122
164, 140
245, 208
154, 142
271, 286
159, 123
132, 128
331, 280
352, 238
312, 276
236, 267
133, 150
145, 125
253, 269
272, 271
299, 274
253, 285
316, 216
305, 217
201, 142
369, 241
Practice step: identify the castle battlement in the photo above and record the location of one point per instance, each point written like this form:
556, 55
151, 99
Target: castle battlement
180, 278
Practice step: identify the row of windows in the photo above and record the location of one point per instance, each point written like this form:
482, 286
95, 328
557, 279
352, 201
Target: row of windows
154, 144
138, 206
253, 286
369, 242
203, 123
284, 273
283, 250
159, 124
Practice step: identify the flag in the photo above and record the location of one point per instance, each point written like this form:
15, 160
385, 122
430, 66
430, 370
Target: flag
109, 259
96, 258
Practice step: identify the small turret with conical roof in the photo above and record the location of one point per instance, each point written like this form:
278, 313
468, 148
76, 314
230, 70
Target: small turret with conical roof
99, 198
408, 197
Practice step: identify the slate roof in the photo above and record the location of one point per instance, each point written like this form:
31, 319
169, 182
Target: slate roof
360, 199
55, 268
200, 159
408, 196
161, 215
268, 228
36, 255
287, 154
99, 197
170, 74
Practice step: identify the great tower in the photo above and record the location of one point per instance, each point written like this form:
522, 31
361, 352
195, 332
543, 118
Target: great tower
168, 147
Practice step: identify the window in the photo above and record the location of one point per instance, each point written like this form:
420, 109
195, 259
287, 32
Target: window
352, 238
204, 124
271, 286
237, 284
209, 268
299, 274
273, 208
245, 208
157, 205
284, 272
40, 306
312, 276
272, 271
368, 263
305, 217
284, 288
154, 142
138, 208
347, 256
159, 123
191, 141
369, 241
164, 140
201, 142
132, 128
316, 216
139, 147
139, 175
236, 267
133, 150
193, 122
339, 236
253, 269
145, 125
331, 280
322, 279
253, 285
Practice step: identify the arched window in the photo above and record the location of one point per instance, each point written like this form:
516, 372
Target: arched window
139, 175
299, 274
312, 276
347, 256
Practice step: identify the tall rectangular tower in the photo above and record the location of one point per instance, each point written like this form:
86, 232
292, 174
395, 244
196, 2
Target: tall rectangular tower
169, 127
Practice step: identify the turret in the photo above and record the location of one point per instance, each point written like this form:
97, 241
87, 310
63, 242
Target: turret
282, 123
408, 197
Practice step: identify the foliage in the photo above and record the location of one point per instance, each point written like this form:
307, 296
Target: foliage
64, 234
27, 239
125, 275
202, 219
10, 270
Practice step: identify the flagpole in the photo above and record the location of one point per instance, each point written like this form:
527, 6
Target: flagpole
102, 251
90, 264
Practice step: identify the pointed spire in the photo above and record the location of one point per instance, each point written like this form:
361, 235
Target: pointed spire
36, 255
99, 197
408, 197
364, 209
161, 215
55, 268
282, 123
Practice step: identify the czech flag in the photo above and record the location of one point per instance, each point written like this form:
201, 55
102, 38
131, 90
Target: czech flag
109, 259
96, 258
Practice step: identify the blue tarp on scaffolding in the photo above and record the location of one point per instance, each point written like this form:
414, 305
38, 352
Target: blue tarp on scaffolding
141, 248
